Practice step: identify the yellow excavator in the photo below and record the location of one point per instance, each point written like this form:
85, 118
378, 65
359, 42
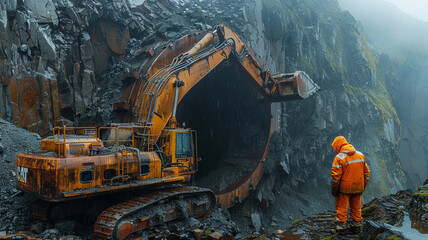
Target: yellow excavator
128, 173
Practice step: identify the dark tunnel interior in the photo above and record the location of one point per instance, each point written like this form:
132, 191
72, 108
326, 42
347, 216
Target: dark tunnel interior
232, 127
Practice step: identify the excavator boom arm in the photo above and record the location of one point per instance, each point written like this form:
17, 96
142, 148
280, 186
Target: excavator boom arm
156, 102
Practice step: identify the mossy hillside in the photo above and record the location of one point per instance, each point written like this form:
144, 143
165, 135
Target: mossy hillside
385, 184
310, 22
380, 99
331, 47
365, 50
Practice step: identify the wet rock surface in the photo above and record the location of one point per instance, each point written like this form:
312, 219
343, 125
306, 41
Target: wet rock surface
72, 60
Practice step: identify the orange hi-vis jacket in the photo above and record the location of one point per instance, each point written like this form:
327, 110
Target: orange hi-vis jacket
349, 172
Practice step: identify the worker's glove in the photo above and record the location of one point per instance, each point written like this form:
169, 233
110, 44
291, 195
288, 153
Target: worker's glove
335, 188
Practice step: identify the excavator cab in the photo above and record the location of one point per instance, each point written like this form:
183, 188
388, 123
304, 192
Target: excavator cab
179, 151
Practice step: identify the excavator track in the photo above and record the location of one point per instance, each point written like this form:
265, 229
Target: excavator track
149, 210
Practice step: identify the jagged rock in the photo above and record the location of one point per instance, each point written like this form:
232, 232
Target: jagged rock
50, 234
11, 7
73, 15
23, 48
3, 21
67, 227
43, 10
255, 219
214, 236
33, 32
47, 47
38, 227
197, 233
371, 231
40, 95
86, 51
87, 90
117, 36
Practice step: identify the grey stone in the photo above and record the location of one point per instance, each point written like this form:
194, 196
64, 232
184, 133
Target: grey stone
43, 10
3, 210
73, 15
23, 48
47, 47
37, 136
66, 227
285, 167
11, 7
87, 86
86, 51
33, 29
15, 221
50, 233
256, 221
1, 148
3, 18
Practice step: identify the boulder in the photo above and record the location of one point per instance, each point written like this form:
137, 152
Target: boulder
117, 36
214, 236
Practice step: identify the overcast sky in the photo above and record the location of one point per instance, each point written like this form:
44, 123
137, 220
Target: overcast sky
415, 8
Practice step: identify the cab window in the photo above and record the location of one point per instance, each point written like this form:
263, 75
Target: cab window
183, 148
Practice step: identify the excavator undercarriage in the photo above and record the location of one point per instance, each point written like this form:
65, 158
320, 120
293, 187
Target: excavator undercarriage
134, 171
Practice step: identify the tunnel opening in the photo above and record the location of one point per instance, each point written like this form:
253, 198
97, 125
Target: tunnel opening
232, 126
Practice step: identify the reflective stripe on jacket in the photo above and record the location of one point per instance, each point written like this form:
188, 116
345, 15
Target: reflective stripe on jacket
349, 168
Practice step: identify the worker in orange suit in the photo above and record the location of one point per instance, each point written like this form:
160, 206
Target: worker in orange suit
349, 177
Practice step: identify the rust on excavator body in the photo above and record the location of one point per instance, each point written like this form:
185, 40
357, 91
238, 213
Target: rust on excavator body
73, 166
149, 149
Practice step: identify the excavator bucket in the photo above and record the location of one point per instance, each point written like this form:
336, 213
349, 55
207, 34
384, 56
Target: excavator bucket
293, 86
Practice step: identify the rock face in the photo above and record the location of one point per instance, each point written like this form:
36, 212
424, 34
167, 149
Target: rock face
69, 63
413, 110
354, 102
410, 67
52, 58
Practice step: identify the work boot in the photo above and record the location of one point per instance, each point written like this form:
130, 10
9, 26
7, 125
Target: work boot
355, 227
341, 227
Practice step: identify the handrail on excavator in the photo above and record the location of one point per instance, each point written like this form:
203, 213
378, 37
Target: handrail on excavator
60, 136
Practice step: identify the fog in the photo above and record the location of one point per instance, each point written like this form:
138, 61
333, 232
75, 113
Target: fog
404, 39
389, 28
415, 8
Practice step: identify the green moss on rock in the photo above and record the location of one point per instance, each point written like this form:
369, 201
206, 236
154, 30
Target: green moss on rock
370, 208
364, 47
296, 221
421, 195
394, 237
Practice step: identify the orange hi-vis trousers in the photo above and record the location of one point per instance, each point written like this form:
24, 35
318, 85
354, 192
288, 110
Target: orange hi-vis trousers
342, 203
